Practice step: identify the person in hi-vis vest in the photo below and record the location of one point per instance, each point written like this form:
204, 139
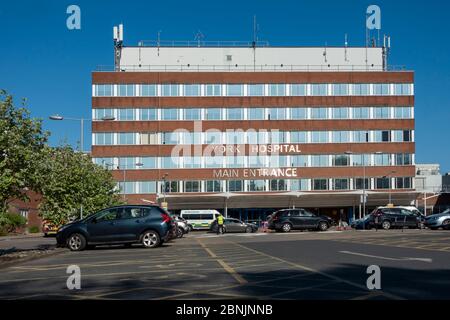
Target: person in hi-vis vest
220, 224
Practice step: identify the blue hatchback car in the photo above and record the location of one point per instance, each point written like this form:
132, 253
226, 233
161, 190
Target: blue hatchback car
149, 225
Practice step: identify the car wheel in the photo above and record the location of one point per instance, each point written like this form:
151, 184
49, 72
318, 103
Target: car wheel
248, 230
446, 224
287, 227
76, 242
151, 239
323, 226
386, 225
180, 233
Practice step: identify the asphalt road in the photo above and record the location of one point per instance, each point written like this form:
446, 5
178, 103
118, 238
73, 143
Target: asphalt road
415, 264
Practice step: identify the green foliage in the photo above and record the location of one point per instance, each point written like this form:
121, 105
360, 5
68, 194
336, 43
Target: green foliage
21, 139
12, 221
33, 229
70, 180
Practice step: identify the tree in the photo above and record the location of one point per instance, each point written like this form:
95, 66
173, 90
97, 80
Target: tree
71, 182
21, 139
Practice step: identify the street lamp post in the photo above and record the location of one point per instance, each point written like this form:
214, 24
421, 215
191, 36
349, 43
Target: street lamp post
390, 186
61, 118
164, 187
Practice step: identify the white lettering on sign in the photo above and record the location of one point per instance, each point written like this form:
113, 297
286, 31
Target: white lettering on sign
256, 173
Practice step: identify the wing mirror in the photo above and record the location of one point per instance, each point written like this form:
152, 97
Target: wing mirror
94, 220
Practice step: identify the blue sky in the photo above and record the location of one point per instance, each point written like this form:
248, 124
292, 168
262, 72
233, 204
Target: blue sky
42, 60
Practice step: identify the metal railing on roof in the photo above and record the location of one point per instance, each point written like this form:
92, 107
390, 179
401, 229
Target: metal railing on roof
201, 43
248, 68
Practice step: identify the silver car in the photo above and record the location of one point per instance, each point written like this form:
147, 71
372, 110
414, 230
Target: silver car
440, 220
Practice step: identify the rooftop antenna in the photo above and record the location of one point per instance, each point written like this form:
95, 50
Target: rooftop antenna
158, 42
199, 37
255, 40
386, 51
346, 46
118, 44
325, 52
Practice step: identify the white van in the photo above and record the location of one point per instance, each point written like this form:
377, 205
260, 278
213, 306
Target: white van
200, 219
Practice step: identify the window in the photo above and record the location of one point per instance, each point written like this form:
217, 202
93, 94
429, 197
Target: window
126, 115
278, 161
192, 186
235, 186
403, 183
340, 89
170, 162
382, 112
127, 163
361, 184
235, 114
169, 114
24, 213
403, 159
126, 90
213, 90
213, 114
341, 184
214, 186
256, 185
277, 90
255, 90
360, 160
127, 187
149, 90
147, 138
256, 114
106, 163
298, 90
340, 113
104, 139
277, 137
319, 113
256, 161
402, 89
298, 137
170, 187
170, 90
341, 160
235, 137
192, 90
320, 184
383, 183
104, 90
213, 137
361, 89
361, 113
407, 136
319, 137
214, 162
360, 136
148, 162
235, 161
278, 185
236, 90
146, 187
341, 136
277, 114
319, 89
299, 113
148, 114
171, 138
299, 161
382, 159
300, 185
381, 89
256, 137
100, 114
403, 113
108, 215
127, 138
382, 136
320, 161
193, 162
192, 114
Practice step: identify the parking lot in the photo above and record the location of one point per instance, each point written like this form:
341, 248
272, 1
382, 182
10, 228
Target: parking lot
415, 264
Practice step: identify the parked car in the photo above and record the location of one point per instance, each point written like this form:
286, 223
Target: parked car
389, 218
200, 219
148, 225
182, 226
49, 228
235, 226
440, 220
298, 219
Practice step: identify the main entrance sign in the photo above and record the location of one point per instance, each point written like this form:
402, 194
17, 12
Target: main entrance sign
256, 173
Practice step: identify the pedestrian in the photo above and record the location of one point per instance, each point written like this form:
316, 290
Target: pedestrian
219, 224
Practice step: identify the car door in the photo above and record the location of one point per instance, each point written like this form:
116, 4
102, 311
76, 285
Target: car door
130, 223
310, 220
411, 218
295, 218
104, 227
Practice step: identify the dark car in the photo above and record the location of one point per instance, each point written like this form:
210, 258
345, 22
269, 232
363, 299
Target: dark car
234, 226
298, 219
390, 218
149, 225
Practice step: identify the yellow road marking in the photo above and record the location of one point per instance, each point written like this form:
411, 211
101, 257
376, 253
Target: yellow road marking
224, 265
